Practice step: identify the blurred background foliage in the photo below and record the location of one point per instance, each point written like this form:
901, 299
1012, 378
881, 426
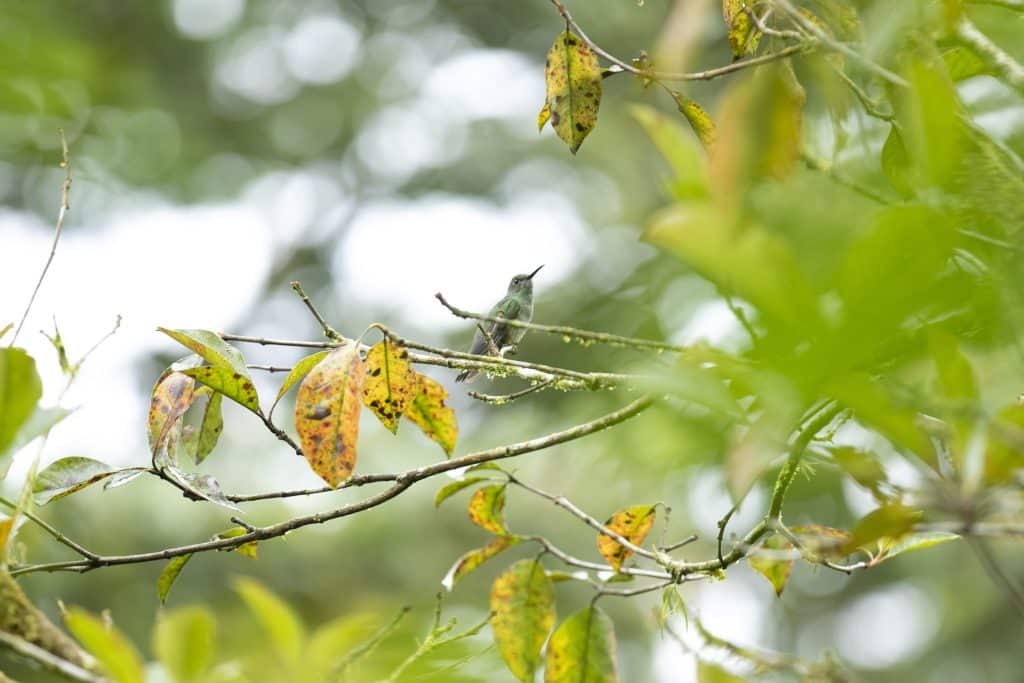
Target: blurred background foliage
389, 150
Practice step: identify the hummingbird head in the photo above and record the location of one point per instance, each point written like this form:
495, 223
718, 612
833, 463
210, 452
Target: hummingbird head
523, 283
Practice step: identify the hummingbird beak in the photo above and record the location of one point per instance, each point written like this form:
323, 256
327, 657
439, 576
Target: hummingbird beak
535, 272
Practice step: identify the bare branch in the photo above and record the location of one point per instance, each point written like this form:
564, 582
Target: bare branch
506, 398
995, 58
49, 661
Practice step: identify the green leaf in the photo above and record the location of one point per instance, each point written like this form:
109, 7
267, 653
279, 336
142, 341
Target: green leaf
890, 522
896, 164
671, 602
474, 558
183, 641
919, 541
5, 329
68, 475
573, 79
39, 423
327, 413
712, 673
678, 149
247, 549
928, 112
523, 612
699, 120
742, 34
210, 426
955, 374
633, 524
582, 650
298, 371
170, 574
428, 411
863, 467
211, 348
390, 382
20, 389
1004, 450
487, 509
962, 64
775, 570
236, 386
280, 621
449, 490
111, 649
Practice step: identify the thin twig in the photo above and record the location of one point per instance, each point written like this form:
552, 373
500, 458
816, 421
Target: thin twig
48, 660
65, 191
329, 331
796, 452
997, 574
572, 561
506, 398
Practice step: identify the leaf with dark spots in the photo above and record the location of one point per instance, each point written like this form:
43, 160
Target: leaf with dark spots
573, 79
743, 35
239, 388
298, 371
474, 558
334, 386
699, 120
428, 410
633, 524
523, 612
582, 650
487, 509
390, 382
171, 397
210, 348
68, 475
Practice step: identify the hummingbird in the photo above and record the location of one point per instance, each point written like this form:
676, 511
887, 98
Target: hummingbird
517, 304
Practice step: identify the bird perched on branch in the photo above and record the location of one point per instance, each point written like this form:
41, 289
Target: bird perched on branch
497, 338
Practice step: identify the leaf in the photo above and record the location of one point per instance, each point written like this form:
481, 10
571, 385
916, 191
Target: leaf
863, 467
298, 371
919, 541
327, 414
886, 522
712, 673
169, 575
236, 386
211, 348
20, 389
449, 490
204, 486
1004, 450
743, 35
5, 329
523, 612
124, 476
429, 412
821, 540
573, 79
487, 509
39, 423
171, 397
247, 549
962, 64
928, 113
183, 642
68, 475
114, 652
955, 374
280, 621
775, 570
389, 382
582, 650
699, 120
210, 427
678, 149
633, 524
543, 116
896, 164
671, 602
474, 558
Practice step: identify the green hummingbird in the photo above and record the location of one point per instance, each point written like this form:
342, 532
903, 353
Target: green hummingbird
516, 305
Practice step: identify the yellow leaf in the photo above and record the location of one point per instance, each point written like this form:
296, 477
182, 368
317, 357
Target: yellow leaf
474, 558
697, 117
171, 397
573, 79
743, 36
582, 650
543, 116
327, 414
523, 609
428, 410
487, 509
633, 524
389, 382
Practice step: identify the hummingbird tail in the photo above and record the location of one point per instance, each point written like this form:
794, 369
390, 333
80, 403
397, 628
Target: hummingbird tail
467, 376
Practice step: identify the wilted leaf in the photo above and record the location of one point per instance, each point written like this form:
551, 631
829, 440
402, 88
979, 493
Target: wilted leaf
124, 476
743, 35
170, 574
428, 410
474, 558
390, 382
582, 650
449, 490
678, 149
573, 79
247, 549
183, 642
171, 397
487, 508
298, 371
327, 414
772, 568
887, 522
68, 475
280, 621
20, 389
523, 609
633, 524
699, 120
236, 386
115, 653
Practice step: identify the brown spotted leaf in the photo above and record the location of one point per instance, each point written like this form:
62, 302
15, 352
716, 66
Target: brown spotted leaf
773, 568
233, 384
389, 382
523, 612
298, 371
327, 414
543, 116
428, 410
487, 509
474, 558
633, 524
582, 650
698, 118
573, 79
68, 475
171, 397
743, 35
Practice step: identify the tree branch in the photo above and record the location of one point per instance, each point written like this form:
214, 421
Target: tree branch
48, 660
994, 57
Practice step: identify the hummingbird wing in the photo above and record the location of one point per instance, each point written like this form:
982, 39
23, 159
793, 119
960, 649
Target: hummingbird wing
506, 308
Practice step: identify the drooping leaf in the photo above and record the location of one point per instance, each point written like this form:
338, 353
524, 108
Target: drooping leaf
280, 621
171, 397
236, 386
20, 389
678, 149
743, 35
428, 410
68, 475
449, 490
169, 575
772, 568
183, 642
864, 468
582, 650
573, 79
699, 120
896, 164
123, 477
298, 371
327, 414
390, 382
487, 508
114, 652
633, 524
523, 608
248, 549
211, 348
671, 602
890, 522
474, 558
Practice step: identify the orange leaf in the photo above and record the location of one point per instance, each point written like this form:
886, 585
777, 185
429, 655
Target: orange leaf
633, 524
172, 396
